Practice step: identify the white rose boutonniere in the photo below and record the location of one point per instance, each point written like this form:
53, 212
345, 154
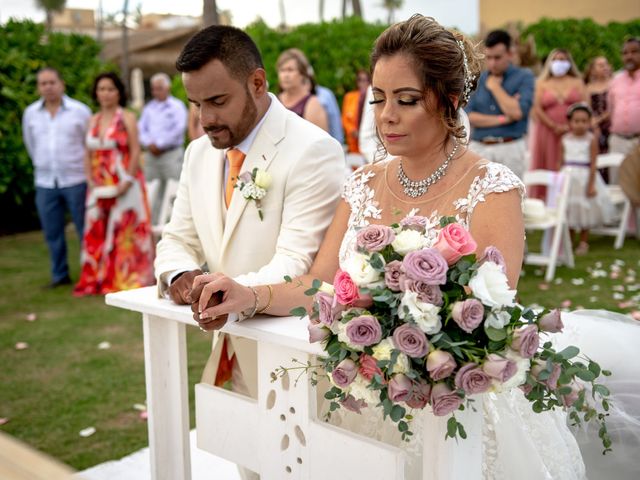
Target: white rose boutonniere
254, 185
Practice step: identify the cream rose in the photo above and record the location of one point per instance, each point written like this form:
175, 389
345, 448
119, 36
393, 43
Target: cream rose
498, 319
358, 388
424, 314
408, 241
263, 179
327, 288
489, 284
361, 271
522, 367
382, 351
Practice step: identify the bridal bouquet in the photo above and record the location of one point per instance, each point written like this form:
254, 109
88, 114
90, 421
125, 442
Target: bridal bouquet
415, 320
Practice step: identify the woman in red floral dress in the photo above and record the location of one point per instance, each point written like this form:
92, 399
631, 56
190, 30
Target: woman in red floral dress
117, 250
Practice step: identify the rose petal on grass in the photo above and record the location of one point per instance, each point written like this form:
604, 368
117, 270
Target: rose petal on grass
4, 420
140, 406
537, 272
618, 288
627, 304
635, 314
629, 279
543, 286
31, 317
618, 296
619, 262
144, 415
558, 281
598, 264
104, 346
566, 303
614, 275
21, 345
87, 432
595, 288
577, 281
593, 299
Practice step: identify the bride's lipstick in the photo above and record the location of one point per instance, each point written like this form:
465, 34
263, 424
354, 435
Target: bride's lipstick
393, 137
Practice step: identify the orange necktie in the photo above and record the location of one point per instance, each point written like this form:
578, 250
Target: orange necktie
236, 157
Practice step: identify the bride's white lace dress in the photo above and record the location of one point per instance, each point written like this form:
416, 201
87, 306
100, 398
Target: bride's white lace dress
517, 443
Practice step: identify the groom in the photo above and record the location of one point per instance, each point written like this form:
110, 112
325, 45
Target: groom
212, 223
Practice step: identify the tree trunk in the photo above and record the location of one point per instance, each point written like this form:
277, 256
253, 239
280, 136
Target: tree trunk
49, 20
357, 8
124, 64
210, 13
283, 19
321, 10
344, 9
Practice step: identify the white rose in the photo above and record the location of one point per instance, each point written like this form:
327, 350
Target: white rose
263, 179
498, 319
358, 388
522, 364
361, 271
382, 351
327, 288
424, 314
489, 284
408, 241
402, 364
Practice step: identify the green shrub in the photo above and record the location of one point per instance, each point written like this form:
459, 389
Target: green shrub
584, 38
24, 49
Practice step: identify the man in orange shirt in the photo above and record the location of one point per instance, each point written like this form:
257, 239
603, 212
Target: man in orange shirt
352, 106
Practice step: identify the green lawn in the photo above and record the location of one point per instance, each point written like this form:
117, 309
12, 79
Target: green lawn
63, 383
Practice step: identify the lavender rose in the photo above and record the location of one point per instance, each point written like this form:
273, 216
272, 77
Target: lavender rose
420, 394
328, 308
472, 379
444, 400
526, 341
245, 177
411, 341
414, 222
399, 388
552, 380
344, 373
317, 332
551, 322
572, 397
393, 275
374, 238
500, 368
492, 254
427, 265
440, 364
468, 314
426, 293
364, 331
350, 403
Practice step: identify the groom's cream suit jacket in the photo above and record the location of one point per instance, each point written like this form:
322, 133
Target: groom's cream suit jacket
307, 167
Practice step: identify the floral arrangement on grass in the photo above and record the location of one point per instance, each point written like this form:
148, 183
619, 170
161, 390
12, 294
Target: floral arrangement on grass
417, 320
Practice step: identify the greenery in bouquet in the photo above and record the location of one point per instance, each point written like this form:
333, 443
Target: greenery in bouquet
414, 319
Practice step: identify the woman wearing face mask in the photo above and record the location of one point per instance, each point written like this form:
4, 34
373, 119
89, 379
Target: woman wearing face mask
558, 86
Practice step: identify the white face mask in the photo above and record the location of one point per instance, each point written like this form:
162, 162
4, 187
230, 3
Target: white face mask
560, 67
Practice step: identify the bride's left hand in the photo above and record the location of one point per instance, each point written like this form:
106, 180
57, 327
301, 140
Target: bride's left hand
234, 298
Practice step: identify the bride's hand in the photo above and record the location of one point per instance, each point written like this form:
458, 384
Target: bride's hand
232, 297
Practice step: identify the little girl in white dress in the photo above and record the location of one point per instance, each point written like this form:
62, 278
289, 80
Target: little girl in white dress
589, 205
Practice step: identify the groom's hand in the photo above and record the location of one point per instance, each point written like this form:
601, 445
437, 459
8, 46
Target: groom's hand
180, 289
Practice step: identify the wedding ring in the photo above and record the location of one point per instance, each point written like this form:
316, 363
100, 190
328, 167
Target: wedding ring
205, 273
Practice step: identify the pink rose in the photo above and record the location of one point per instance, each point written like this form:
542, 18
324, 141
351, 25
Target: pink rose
426, 293
526, 341
420, 393
364, 331
454, 242
393, 275
328, 309
399, 388
472, 379
468, 314
344, 373
374, 238
317, 333
353, 405
552, 380
369, 367
346, 290
570, 398
444, 400
551, 322
500, 368
440, 364
411, 340
526, 388
492, 254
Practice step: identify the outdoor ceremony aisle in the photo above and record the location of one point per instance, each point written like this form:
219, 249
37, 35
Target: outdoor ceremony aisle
204, 466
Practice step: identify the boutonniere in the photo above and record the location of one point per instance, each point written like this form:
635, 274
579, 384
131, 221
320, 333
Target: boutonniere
254, 185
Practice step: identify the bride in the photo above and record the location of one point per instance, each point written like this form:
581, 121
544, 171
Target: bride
422, 75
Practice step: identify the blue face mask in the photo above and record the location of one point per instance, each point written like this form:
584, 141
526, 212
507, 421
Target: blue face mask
560, 68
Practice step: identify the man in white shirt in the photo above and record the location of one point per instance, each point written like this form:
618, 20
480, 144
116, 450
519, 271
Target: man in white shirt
54, 130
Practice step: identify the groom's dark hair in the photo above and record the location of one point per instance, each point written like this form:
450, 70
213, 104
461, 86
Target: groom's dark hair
233, 47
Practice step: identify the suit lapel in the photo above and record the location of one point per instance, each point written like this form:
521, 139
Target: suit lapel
213, 179
260, 155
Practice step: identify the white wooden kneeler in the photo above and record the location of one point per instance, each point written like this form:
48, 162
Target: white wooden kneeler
278, 435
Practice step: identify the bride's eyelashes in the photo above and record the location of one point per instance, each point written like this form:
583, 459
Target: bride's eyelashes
405, 101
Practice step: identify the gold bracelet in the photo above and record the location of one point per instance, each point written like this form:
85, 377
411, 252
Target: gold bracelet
262, 310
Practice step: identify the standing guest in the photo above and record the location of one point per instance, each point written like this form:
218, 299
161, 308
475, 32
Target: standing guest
117, 250
297, 88
53, 129
624, 101
352, 107
597, 77
499, 110
558, 87
162, 127
194, 127
330, 105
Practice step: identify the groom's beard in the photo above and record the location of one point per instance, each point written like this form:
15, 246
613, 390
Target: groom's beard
237, 133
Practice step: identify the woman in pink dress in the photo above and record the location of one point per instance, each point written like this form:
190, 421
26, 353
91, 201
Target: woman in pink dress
117, 248
558, 87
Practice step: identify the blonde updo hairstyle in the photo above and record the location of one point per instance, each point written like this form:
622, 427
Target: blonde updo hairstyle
438, 61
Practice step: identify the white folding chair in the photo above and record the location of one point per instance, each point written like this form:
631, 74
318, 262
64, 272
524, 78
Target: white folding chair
153, 187
166, 206
618, 230
549, 217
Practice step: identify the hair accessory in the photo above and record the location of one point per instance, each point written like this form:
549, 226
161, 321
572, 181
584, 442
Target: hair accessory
468, 78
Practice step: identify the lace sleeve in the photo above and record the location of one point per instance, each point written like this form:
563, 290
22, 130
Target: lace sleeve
496, 179
360, 197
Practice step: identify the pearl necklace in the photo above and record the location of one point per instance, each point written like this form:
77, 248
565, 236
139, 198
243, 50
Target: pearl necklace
417, 188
